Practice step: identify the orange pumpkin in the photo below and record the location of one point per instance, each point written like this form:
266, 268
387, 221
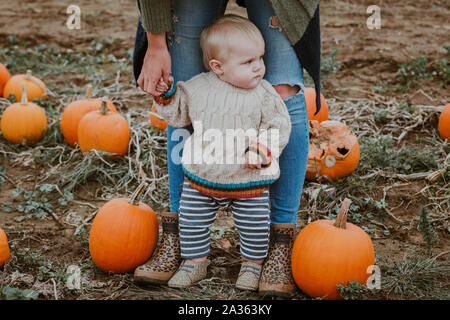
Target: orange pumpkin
4, 248
124, 234
444, 123
327, 253
35, 88
104, 130
333, 150
310, 98
156, 120
75, 111
23, 122
4, 77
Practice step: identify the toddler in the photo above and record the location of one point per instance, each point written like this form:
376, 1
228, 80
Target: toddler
241, 125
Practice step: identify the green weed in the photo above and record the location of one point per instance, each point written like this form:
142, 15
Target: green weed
44, 269
35, 203
353, 291
409, 73
422, 68
381, 153
46, 60
9, 293
328, 67
425, 227
416, 277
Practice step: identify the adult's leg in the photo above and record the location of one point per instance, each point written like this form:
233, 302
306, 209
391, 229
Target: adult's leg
284, 72
189, 19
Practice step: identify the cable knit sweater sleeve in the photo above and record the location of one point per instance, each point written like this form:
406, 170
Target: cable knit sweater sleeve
156, 15
175, 109
275, 128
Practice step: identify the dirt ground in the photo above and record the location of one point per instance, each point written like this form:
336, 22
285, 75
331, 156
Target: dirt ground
409, 29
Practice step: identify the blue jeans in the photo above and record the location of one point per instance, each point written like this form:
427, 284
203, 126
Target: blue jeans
282, 67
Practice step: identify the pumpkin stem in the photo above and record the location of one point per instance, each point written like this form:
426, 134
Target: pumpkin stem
104, 108
89, 91
24, 99
134, 200
341, 219
29, 78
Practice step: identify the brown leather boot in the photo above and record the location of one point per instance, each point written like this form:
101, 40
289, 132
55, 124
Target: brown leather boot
276, 276
167, 258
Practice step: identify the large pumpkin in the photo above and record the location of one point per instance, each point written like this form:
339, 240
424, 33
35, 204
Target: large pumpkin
4, 248
23, 122
4, 77
124, 234
310, 98
327, 253
35, 88
75, 111
444, 123
156, 120
333, 150
104, 130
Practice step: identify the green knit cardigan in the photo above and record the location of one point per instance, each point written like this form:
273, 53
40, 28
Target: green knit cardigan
293, 15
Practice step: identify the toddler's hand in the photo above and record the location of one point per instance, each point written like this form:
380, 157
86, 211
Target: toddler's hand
162, 87
253, 160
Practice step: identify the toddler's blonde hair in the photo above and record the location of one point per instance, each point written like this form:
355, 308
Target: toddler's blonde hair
216, 38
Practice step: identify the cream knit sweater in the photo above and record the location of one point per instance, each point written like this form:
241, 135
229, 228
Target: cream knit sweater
227, 120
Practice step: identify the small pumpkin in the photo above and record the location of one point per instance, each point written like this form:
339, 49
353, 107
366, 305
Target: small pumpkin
156, 120
327, 253
4, 248
23, 122
444, 123
310, 98
4, 77
104, 130
35, 88
124, 234
333, 150
75, 111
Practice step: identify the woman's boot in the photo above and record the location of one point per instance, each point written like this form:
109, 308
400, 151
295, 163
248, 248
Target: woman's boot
167, 258
276, 276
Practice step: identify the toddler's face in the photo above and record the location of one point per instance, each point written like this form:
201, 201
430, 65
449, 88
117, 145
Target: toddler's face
244, 65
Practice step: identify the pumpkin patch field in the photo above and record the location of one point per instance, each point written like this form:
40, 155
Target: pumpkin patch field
381, 152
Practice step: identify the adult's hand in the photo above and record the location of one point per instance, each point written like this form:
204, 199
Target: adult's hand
156, 65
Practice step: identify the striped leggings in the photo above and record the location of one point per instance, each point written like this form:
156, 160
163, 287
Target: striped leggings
198, 212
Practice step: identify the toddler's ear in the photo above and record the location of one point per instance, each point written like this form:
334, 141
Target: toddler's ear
216, 66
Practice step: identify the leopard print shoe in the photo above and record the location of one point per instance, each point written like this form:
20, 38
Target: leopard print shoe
276, 275
166, 259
